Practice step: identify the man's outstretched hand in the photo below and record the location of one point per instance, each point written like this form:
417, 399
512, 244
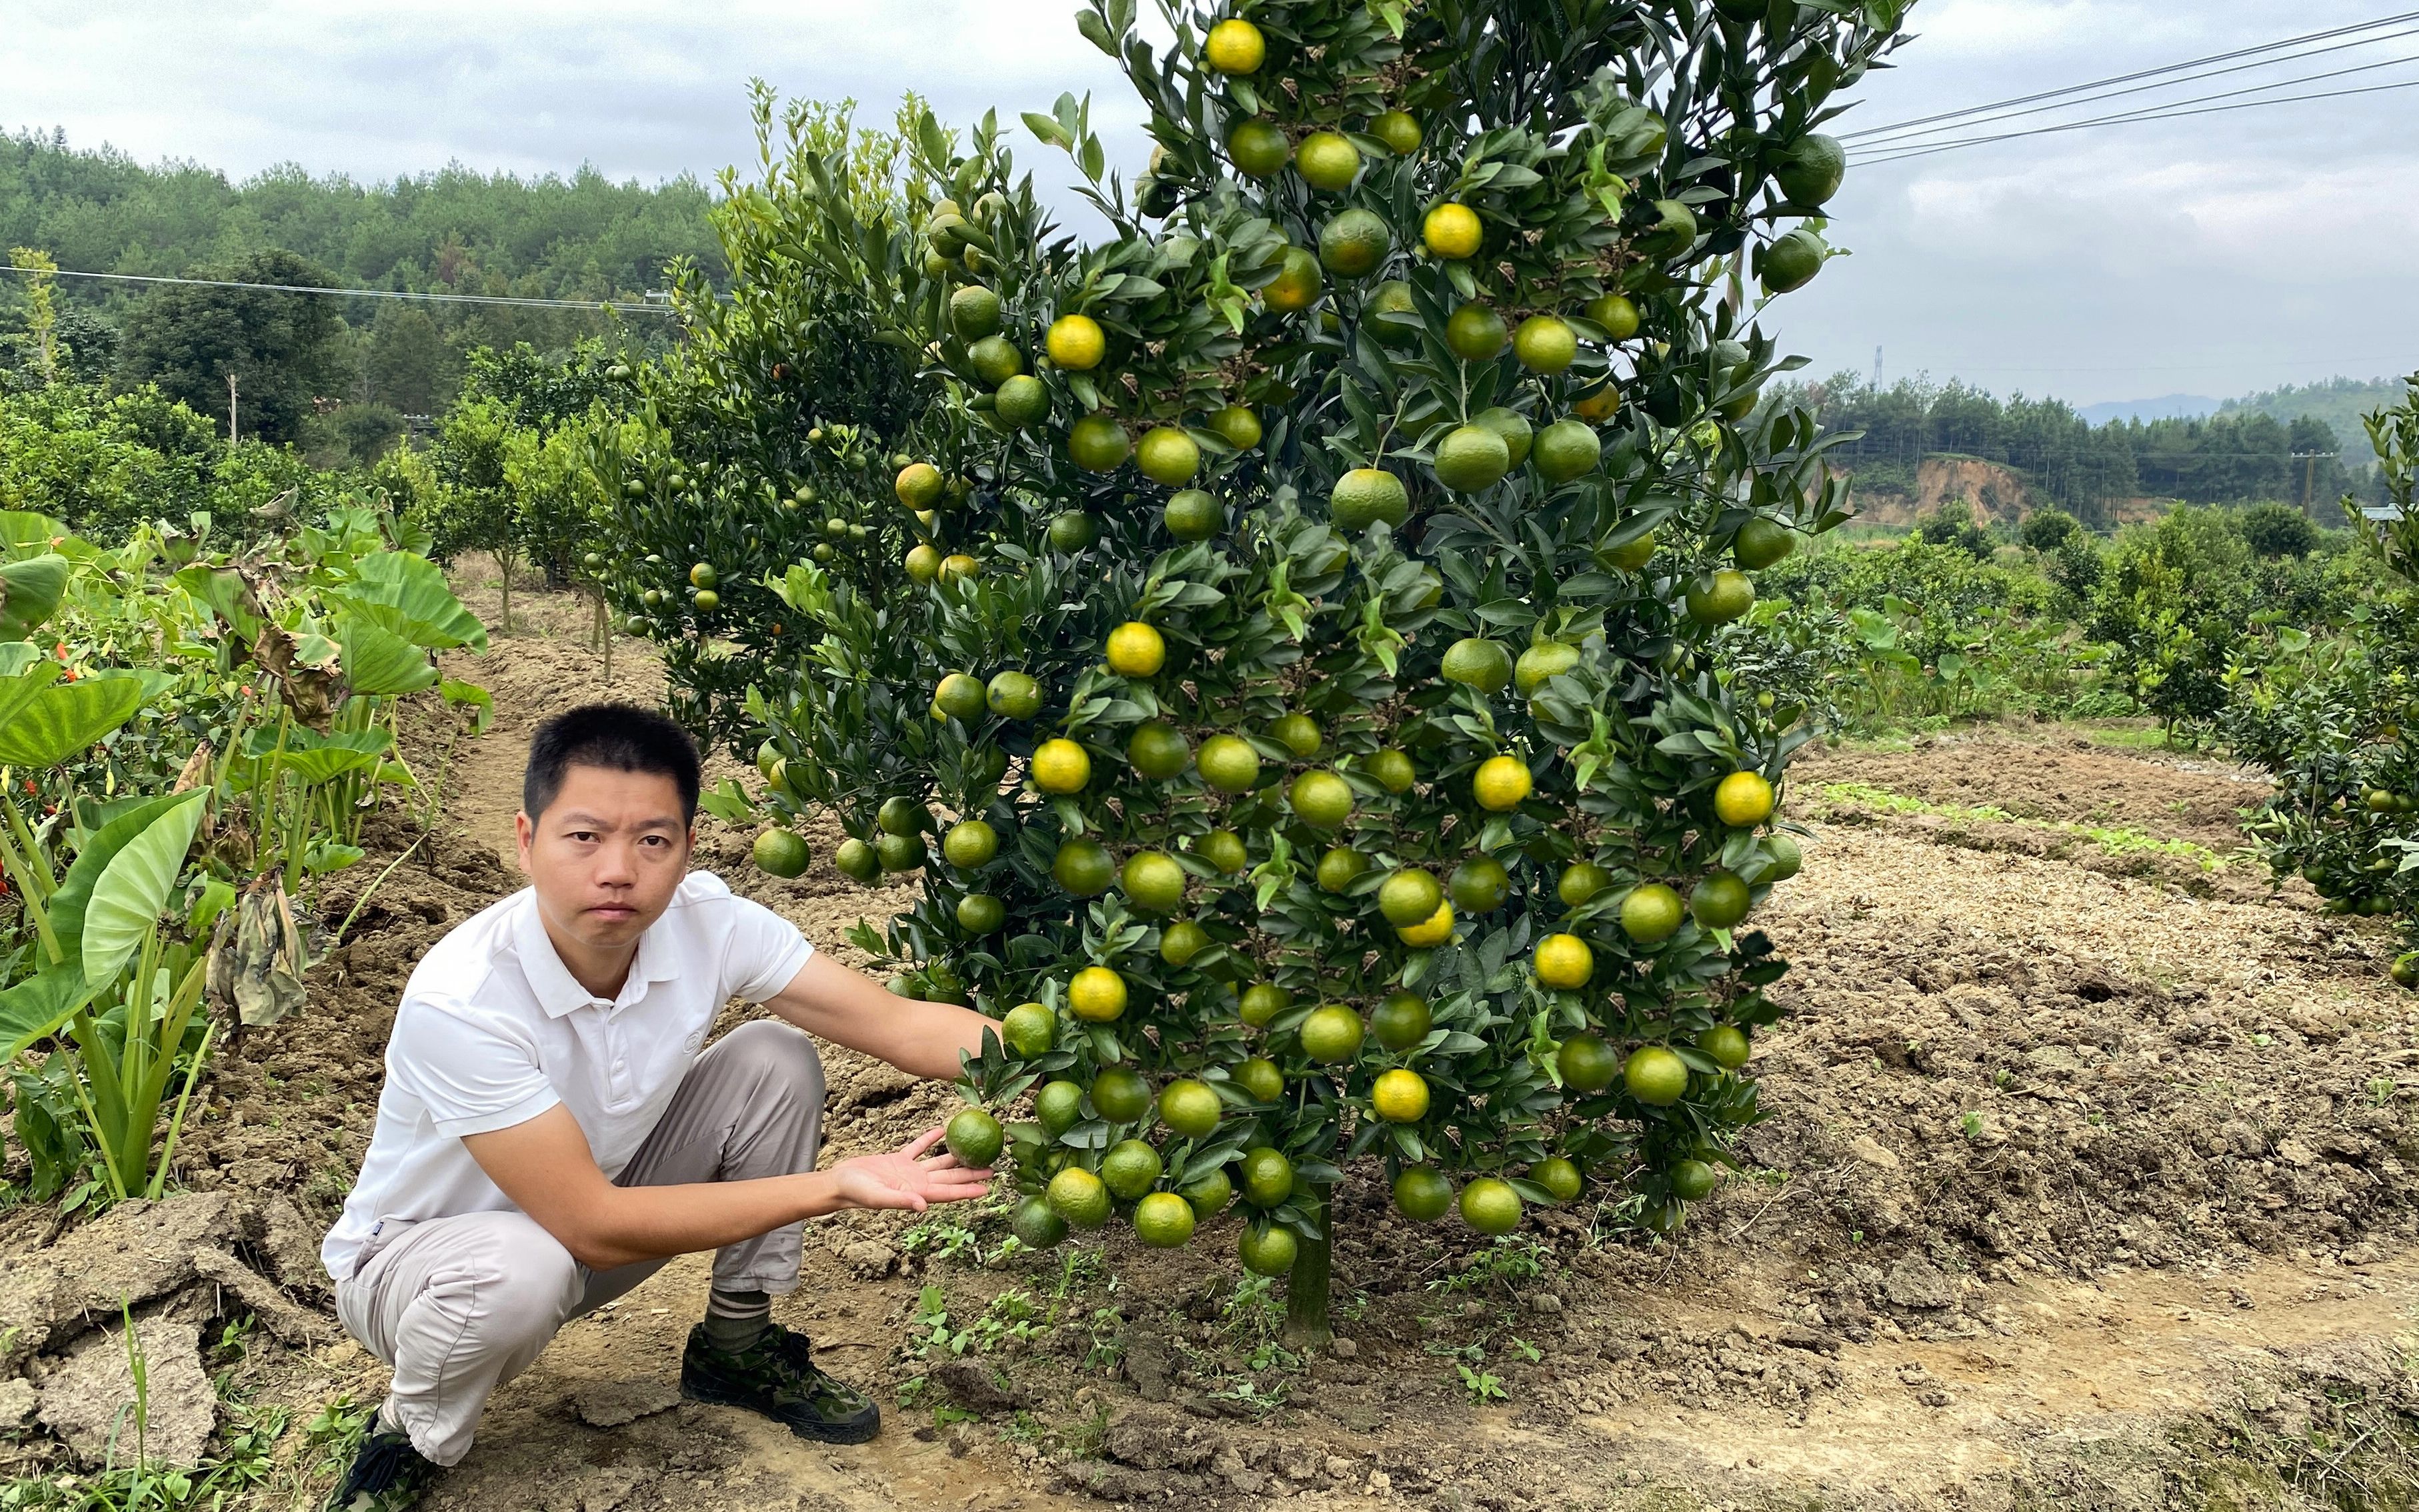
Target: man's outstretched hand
909, 1178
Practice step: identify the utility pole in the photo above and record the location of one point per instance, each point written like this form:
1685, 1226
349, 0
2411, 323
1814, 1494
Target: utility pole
1878, 367
2309, 461
231, 430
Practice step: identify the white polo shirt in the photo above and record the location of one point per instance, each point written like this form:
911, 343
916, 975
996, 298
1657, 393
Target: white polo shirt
494, 1031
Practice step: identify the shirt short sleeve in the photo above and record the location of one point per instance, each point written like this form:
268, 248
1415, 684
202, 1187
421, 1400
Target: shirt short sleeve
474, 1071
762, 953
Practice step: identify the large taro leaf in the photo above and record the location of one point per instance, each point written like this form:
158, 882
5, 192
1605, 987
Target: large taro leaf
21, 529
60, 721
133, 888
68, 905
39, 1005
228, 595
18, 689
16, 657
29, 592
317, 758
407, 594
378, 661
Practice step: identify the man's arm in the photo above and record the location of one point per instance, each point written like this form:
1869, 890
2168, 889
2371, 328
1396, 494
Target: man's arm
544, 1166
849, 1007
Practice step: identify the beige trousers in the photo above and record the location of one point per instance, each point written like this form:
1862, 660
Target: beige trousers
460, 1305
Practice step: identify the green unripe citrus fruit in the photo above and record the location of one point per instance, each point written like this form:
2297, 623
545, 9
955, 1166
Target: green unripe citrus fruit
980, 913
1298, 733
1190, 1108
1586, 1063
1259, 1079
1472, 459
1328, 161
1339, 868
1401, 1021
900, 852
1409, 897
1398, 131
1035, 1225
1791, 261
1153, 882
1179, 942
1157, 750
1353, 243
1491, 1206
1120, 1094
1083, 867
996, 360
856, 861
1511, 425
1761, 542
1693, 1180
1721, 901
1366, 495
959, 696
1393, 769
1058, 1107
1568, 449
1475, 334
1079, 1198
1229, 764
781, 853
1209, 1195
1030, 1030
1223, 849
1545, 344
1541, 663
1478, 885
1097, 443
1392, 313
1194, 515
1268, 1250
1238, 426
1811, 172
1422, 1194
973, 313
1268, 1177
1072, 532
973, 1136
1615, 314
1013, 696
1557, 1175
1655, 1076
1168, 457
1332, 1034
1475, 662
1320, 800
1296, 285
1023, 400
1651, 913
1261, 1002
1259, 148
1164, 1220
1786, 858
1726, 1044
1131, 1168
1721, 598
1580, 881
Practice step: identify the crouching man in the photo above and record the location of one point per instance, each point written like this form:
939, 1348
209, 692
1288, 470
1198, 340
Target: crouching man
554, 1126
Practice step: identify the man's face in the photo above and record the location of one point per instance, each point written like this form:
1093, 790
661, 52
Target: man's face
607, 855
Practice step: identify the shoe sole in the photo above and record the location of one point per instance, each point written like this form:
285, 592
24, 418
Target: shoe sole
821, 1432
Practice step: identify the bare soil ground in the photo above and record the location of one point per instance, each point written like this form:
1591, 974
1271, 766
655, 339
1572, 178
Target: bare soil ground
2088, 1183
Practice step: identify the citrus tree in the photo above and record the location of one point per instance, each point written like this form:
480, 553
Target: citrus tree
1287, 640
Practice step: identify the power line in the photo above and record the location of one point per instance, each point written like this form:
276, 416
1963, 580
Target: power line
1984, 114
622, 306
2129, 78
2142, 117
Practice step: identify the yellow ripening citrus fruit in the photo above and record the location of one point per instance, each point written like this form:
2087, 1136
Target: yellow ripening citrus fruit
1229, 764
1061, 766
1598, 403
1298, 733
1422, 1194
1565, 961
1260, 1002
1268, 1249
1655, 1076
1097, 443
918, 486
1490, 1205
1189, 1108
1476, 662
1164, 1220
1615, 314
1726, 1044
1399, 130
1586, 1063
1451, 232
1268, 1177
1558, 1176
1437, 929
1651, 913
1545, 344
1401, 1021
1327, 161
1721, 598
1029, 1030
1096, 995
973, 1136
1399, 1096
1501, 783
1131, 1168
1076, 342
923, 563
1179, 942
1235, 47
1120, 1095
1365, 495
1259, 148
1475, 332
1297, 284
1167, 457
1743, 799
957, 565
1472, 459
1721, 901
1136, 650
1078, 1197
1409, 897
1223, 849
1153, 882
1320, 800
1332, 1034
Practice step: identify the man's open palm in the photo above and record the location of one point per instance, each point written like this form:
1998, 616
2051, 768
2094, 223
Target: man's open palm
909, 1178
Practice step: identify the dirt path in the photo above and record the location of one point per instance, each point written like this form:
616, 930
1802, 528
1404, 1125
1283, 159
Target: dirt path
2088, 1183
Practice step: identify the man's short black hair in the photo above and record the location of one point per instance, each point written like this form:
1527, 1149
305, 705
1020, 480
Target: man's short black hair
620, 737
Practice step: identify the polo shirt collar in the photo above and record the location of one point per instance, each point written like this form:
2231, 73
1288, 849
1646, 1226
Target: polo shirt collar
559, 992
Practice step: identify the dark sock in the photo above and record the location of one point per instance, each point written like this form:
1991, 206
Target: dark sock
736, 1320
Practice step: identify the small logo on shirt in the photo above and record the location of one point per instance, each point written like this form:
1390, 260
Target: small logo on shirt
693, 1043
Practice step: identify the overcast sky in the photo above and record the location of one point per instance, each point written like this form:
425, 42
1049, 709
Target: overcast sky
2212, 255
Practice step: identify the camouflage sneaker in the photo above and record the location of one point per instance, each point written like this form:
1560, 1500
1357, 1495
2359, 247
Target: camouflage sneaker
388, 1475
776, 1375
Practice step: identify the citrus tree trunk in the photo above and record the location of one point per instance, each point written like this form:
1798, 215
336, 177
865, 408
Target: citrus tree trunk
1305, 1324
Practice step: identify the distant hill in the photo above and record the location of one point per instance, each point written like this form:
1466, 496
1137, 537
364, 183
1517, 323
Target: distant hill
2339, 401
2166, 407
